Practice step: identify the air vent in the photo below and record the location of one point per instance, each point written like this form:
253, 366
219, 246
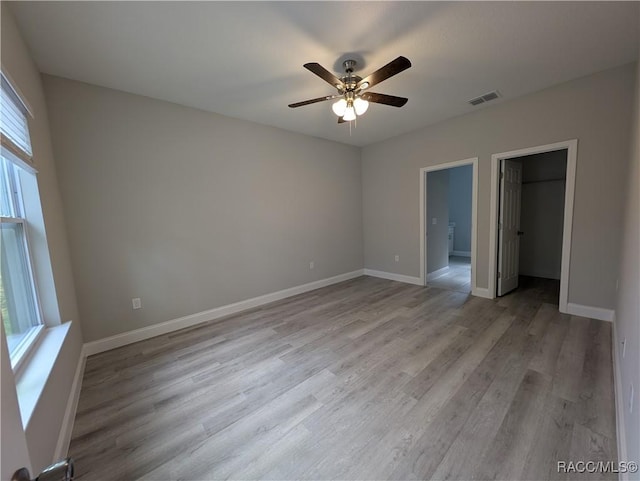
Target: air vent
485, 98
490, 96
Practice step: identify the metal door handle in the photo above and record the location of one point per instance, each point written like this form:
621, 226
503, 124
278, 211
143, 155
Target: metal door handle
60, 471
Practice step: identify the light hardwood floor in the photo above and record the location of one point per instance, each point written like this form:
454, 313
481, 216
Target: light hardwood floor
367, 379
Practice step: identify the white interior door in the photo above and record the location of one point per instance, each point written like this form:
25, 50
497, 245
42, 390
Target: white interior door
509, 226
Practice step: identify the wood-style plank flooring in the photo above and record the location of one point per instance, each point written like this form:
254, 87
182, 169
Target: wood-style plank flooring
367, 379
457, 277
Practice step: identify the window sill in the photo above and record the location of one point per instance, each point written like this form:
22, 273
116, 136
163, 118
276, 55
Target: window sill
24, 348
35, 372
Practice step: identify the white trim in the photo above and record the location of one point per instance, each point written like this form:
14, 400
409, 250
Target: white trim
590, 312
25, 347
34, 375
394, 277
461, 253
473, 161
437, 272
481, 292
148, 332
619, 397
572, 154
15, 159
64, 438
16, 90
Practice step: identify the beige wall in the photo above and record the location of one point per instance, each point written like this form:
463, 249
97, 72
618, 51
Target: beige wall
58, 299
595, 110
191, 210
628, 302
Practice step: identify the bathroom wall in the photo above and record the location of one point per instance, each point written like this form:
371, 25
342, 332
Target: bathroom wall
460, 192
437, 220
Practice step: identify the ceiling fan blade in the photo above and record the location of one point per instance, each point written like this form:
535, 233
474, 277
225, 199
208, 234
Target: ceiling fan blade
313, 101
384, 99
392, 68
324, 74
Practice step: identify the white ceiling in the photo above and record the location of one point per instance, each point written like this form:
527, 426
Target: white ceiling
244, 59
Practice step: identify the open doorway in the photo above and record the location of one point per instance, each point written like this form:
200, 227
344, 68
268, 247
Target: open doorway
532, 211
448, 227
532, 190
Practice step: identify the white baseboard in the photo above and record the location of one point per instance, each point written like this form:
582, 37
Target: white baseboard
461, 253
482, 292
619, 397
64, 438
119, 340
393, 277
437, 273
590, 312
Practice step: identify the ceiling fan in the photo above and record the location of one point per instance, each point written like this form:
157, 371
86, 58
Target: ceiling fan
353, 99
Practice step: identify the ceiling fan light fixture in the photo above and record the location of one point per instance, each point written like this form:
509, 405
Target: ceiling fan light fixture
350, 103
339, 107
349, 114
360, 105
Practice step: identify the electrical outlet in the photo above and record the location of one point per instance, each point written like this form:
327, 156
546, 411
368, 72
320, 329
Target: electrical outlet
136, 302
631, 399
312, 264
624, 347
434, 220
397, 258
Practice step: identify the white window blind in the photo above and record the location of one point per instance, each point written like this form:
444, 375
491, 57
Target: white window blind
13, 123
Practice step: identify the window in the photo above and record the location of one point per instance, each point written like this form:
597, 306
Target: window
18, 297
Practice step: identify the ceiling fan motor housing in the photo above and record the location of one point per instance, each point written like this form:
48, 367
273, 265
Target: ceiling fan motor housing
350, 82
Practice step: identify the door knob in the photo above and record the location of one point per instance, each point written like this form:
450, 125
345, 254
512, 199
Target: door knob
60, 471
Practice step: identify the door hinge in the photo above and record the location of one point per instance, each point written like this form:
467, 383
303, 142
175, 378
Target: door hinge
499, 275
499, 225
502, 175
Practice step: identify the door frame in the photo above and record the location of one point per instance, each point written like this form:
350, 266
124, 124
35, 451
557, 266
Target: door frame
473, 161
571, 147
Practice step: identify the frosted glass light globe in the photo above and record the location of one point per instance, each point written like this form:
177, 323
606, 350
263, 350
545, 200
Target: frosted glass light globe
349, 114
360, 105
339, 107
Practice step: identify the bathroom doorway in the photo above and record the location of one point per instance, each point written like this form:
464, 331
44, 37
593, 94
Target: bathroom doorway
449, 226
